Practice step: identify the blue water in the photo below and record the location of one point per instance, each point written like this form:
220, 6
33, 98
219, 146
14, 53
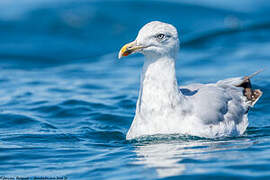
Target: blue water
66, 101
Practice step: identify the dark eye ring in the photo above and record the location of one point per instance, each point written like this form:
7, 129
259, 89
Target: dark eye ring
160, 36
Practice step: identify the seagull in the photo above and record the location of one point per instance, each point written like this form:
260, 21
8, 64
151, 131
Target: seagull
205, 110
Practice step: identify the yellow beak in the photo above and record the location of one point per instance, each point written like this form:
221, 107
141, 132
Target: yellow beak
129, 49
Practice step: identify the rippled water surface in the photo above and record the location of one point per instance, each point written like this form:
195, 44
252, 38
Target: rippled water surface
66, 102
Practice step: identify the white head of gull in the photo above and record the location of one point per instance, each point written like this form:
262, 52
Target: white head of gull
204, 110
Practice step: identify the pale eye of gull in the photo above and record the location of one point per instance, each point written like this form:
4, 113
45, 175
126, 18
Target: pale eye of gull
160, 36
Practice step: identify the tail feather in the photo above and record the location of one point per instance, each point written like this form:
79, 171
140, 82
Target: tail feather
255, 73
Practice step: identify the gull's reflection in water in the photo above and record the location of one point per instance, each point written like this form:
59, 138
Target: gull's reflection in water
163, 157
170, 157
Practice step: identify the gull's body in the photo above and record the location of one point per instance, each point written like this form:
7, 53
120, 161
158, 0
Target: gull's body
205, 110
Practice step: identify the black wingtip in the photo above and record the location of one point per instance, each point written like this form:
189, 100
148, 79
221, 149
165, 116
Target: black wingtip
252, 95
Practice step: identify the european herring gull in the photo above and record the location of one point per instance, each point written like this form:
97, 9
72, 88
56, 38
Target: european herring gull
205, 110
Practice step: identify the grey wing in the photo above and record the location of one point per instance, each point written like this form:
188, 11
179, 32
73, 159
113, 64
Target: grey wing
213, 103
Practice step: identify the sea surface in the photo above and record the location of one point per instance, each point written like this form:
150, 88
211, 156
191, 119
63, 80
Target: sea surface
66, 101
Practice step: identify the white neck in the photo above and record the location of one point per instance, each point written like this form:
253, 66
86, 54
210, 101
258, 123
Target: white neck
159, 88
160, 104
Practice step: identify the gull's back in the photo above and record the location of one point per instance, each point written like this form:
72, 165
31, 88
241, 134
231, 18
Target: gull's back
222, 107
